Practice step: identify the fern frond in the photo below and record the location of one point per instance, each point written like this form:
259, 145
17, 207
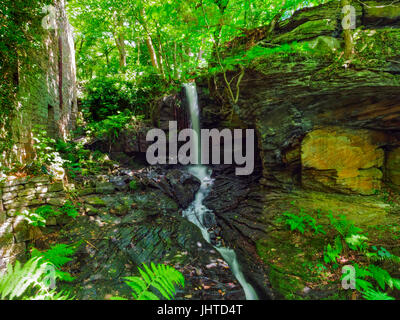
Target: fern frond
59, 254
160, 277
27, 282
371, 294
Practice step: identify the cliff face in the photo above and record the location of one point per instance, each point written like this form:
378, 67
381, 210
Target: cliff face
328, 129
296, 103
48, 95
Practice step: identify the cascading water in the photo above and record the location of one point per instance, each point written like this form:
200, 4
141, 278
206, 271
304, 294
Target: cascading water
198, 213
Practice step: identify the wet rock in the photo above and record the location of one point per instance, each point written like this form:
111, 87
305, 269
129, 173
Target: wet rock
237, 202
21, 229
177, 184
86, 191
121, 183
6, 236
56, 201
3, 217
52, 221
113, 248
183, 186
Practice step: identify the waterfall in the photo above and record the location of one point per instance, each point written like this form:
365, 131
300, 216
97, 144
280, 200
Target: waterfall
197, 212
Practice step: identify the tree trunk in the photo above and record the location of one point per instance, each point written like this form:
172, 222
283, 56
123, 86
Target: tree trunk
149, 41
348, 38
120, 42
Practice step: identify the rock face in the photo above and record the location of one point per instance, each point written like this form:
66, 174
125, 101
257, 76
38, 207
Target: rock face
178, 184
285, 96
393, 166
328, 129
238, 205
348, 161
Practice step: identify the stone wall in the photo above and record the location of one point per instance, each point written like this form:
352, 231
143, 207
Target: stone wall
17, 195
47, 97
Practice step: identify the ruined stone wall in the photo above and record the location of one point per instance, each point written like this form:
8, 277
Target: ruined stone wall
16, 196
47, 97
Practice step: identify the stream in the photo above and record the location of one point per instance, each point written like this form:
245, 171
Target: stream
197, 213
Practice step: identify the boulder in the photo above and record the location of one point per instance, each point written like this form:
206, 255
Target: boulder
183, 186
177, 184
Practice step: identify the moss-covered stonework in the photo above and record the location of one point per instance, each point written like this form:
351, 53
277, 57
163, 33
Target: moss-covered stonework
17, 195
48, 96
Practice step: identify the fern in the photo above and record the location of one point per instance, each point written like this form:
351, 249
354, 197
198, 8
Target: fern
58, 255
371, 294
331, 253
28, 282
301, 222
380, 276
160, 277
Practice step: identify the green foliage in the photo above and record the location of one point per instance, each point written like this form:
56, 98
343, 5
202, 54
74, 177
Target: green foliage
29, 282
39, 217
366, 277
370, 294
301, 222
106, 96
21, 33
258, 52
78, 159
33, 218
57, 256
348, 242
47, 160
161, 277
69, 210
343, 226
332, 253
112, 125
185, 35
133, 185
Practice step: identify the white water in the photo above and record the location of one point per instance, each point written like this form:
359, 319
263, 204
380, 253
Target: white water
197, 213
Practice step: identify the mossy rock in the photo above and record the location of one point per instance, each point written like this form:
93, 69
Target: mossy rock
96, 202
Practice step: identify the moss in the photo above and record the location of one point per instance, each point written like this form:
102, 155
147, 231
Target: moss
375, 47
295, 260
307, 30
96, 202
